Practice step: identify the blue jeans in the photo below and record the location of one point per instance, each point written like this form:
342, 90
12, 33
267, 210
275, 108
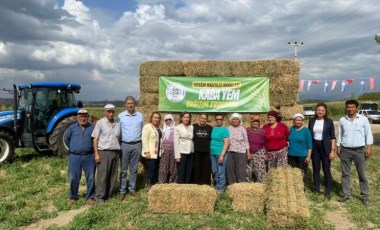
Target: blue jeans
76, 164
219, 172
130, 155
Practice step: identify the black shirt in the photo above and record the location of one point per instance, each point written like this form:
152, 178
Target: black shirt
202, 138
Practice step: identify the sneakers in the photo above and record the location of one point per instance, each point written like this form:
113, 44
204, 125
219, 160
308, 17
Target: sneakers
344, 199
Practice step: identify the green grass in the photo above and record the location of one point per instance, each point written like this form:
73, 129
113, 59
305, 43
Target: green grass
35, 187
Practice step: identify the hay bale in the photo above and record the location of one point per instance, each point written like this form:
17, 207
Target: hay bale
161, 68
148, 99
247, 197
286, 203
207, 68
181, 198
287, 112
149, 84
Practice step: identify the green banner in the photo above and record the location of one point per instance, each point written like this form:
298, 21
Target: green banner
214, 94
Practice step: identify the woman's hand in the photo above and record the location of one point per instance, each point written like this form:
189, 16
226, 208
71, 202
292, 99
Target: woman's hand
249, 156
147, 155
220, 160
332, 155
307, 160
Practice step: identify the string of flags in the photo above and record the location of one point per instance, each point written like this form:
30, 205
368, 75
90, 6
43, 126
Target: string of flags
331, 84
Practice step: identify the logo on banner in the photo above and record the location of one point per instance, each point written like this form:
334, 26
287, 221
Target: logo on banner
175, 92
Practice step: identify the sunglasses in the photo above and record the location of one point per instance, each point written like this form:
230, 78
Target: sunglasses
168, 119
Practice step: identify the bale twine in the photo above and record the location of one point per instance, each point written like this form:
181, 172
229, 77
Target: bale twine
181, 198
247, 197
286, 203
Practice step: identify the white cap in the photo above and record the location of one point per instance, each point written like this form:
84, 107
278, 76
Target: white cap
82, 111
298, 115
109, 107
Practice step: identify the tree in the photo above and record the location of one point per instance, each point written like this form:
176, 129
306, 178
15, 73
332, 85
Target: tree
377, 39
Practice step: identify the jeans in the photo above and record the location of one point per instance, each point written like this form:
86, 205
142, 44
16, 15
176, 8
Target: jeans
358, 157
130, 155
219, 172
152, 173
76, 164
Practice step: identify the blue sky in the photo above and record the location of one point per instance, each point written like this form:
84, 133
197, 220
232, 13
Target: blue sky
101, 43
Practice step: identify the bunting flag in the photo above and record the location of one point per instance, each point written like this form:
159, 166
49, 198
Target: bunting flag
371, 83
302, 82
349, 81
333, 84
362, 87
343, 86
308, 85
326, 84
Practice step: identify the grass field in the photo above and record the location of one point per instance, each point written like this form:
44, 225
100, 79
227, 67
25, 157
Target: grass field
35, 188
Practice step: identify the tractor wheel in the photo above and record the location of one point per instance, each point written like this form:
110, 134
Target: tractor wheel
7, 147
56, 139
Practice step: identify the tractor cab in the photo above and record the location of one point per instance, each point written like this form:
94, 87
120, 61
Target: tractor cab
42, 113
39, 103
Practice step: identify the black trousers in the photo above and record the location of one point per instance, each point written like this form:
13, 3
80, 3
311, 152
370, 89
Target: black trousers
202, 168
320, 156
184, 168
298, 162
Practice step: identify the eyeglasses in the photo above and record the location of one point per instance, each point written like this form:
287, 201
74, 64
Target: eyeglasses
218, 119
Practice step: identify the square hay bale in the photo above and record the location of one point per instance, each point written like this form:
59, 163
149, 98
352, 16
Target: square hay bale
149, 84
287, 112
207, 68
286, 203
158, 68
148, 99
181, 198
247, 197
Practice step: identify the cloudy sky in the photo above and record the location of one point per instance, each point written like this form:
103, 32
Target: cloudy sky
101, 43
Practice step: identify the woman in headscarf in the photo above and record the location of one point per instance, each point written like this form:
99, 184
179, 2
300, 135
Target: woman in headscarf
276, 137
300, 145
168, 166
256, 168
238, 151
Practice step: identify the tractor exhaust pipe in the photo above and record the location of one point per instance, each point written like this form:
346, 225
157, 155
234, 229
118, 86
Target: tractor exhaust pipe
15, 94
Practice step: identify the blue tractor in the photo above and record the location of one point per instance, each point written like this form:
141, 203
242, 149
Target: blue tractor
44, 111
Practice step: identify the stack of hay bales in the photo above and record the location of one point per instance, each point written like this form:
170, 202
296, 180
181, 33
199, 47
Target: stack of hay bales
247, 197
282, 74
286, 202
181, 198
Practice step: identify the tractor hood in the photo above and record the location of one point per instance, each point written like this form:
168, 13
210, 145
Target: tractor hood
7, 116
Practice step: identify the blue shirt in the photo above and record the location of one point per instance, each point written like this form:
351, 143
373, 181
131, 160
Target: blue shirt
217, 139
299, 142
78, 139
131, 126
356, 133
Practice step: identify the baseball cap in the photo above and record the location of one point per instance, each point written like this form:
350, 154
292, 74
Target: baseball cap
109, 107
82, 111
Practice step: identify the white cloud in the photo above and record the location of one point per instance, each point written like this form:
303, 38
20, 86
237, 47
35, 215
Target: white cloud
39, 40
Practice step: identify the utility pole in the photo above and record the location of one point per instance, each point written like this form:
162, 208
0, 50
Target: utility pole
295, 45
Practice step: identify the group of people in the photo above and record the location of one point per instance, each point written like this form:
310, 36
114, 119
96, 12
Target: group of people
192, 153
